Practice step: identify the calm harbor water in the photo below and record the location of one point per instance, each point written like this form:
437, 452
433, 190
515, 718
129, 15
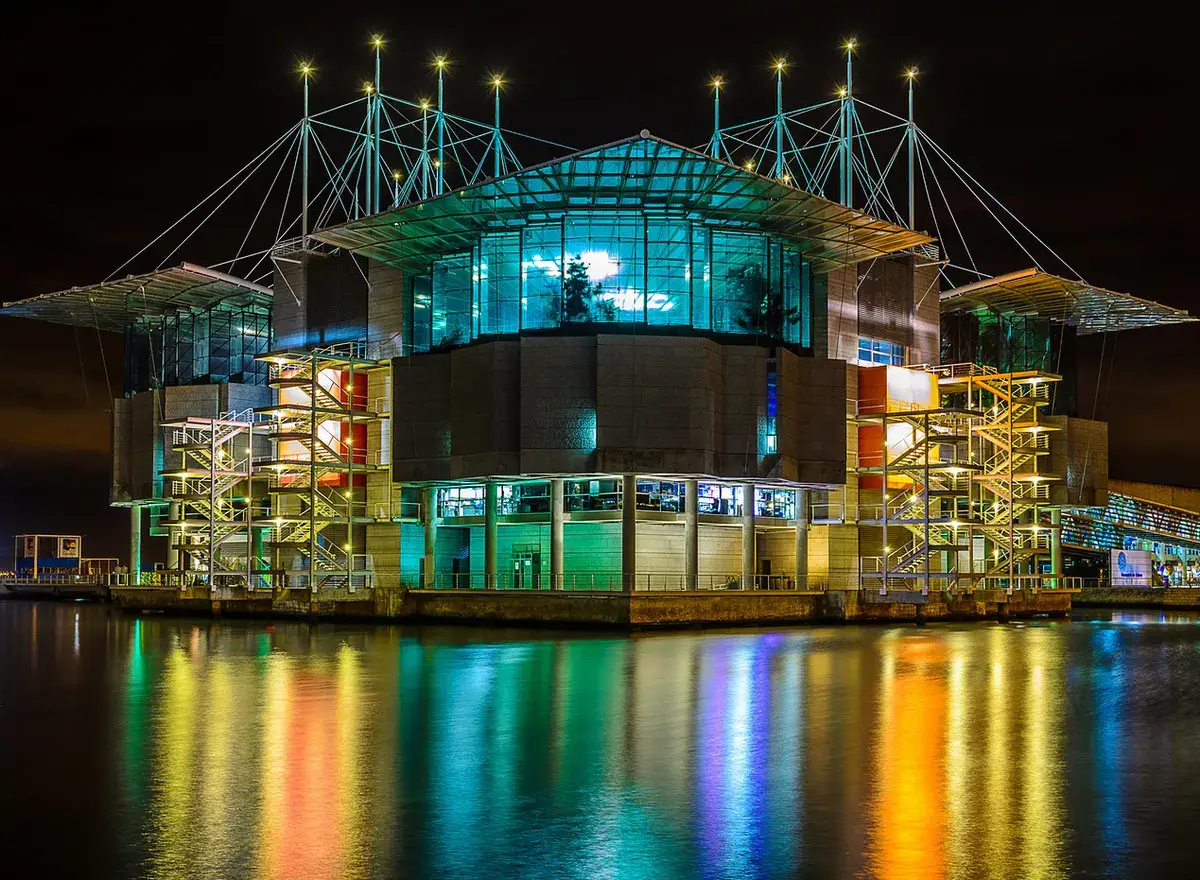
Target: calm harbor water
164, 747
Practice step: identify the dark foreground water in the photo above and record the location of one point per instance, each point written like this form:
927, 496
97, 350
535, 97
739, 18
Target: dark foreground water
164, 747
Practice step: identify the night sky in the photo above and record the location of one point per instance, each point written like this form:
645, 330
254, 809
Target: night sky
119, 119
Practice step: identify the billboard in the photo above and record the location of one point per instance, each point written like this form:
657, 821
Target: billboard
68, 548
30, 546
1132, 568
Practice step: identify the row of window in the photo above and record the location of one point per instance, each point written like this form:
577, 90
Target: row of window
605, 494
615, 268
879, 351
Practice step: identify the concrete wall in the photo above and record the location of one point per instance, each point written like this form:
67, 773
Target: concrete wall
140, 452
614, 404
389, 310
927, 323
1079, 453
842, 304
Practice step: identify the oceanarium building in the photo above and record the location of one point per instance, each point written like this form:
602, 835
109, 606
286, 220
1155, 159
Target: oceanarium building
634, 368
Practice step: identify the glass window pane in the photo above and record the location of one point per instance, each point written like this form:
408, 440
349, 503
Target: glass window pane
701, 279
793, 317
452, 300
668, 272
541, 275
422, 314
603, 268
739, 282
499, 279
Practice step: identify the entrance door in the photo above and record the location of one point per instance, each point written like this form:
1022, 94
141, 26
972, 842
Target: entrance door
526, 567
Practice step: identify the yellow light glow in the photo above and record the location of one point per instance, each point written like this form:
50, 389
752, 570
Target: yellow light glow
911, 73
787, 178
368, 88
780, 63
841, 91
396, 175
497, 80
437, 164
377, 41
749, 166
717, 82
440, 61
306, 69
850, 44
424, 104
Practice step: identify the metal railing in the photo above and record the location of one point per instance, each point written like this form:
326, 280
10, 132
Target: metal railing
612, 582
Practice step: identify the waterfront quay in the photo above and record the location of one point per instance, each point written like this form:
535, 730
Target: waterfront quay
638, 609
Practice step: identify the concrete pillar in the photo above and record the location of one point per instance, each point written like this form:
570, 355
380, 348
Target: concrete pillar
429, 510
1055, 547
747, 536
628, 531
490, 535
556, 534
135, 543
801, 539
691, 533
173, 513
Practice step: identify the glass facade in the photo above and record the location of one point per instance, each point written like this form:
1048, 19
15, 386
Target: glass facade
602, 494
618, 267
198, 348
878, 351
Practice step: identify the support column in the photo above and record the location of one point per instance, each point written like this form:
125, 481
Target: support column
556, 534
801, 539
490, 535
691, 533
628, 532
135, 544
429, 510
1055, 548
174, 511
747, 536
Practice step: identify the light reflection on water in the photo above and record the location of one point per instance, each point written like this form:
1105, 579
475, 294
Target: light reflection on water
214, 749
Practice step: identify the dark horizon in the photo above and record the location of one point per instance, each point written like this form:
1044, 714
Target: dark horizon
125, 120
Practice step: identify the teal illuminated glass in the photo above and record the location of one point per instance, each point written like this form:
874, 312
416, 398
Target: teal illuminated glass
739, 280
668, 272
701, 278
422, 314
452, 300
793, 289
498, 276
610, 250
541, 275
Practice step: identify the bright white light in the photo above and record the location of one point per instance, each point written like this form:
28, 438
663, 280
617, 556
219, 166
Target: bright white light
599, 265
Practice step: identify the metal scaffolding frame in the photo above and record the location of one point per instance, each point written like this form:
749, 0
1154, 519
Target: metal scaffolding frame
211, 520
963, 499
318, 513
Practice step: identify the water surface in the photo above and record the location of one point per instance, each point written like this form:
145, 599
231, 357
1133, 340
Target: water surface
165, 747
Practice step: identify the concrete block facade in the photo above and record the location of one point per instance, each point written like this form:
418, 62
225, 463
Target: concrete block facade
615, 404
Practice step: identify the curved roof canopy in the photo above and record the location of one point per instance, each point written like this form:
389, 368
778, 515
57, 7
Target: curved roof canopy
642, 173
111, 305
1033, 292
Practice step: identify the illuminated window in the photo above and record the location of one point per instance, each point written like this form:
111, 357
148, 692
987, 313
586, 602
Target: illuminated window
455, 501
541, 275
603, 278
451, 282
878, 351
498, 281
668, 272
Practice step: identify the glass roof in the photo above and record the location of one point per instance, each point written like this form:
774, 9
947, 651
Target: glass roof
111, 305
641, 173
1033, 292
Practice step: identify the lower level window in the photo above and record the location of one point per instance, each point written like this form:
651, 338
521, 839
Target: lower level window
878, 351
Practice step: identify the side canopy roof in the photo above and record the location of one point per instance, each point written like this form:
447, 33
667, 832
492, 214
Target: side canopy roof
1033, 292
112, 305
640, 173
